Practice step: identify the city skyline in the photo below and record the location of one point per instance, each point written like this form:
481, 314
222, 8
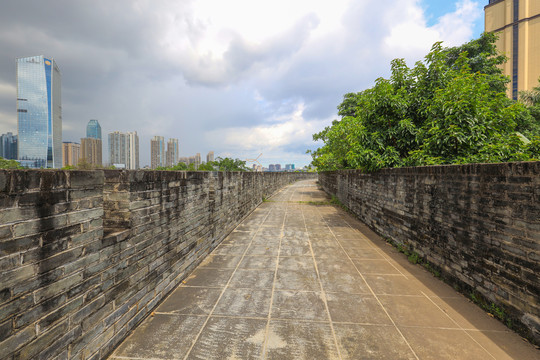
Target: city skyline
213, 78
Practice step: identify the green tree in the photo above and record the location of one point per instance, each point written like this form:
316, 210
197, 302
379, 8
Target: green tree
207, 166
9, 164
450, 108
531, 99
230, 164
178, 167
220, 164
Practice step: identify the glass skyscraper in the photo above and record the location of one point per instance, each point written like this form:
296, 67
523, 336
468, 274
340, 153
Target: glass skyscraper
93, 130
39, 112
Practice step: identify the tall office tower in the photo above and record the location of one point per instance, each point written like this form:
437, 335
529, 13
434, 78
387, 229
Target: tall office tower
272, 167
93, 130
39, 112
210, 157
8, 146
172, 152
157, 152
70, 153
517, 22
91, 151
124, 149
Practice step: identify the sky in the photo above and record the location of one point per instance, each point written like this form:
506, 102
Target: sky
239, 77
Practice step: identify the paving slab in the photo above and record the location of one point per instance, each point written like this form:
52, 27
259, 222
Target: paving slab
302, 279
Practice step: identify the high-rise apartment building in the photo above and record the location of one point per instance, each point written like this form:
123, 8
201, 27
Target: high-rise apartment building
70, 153
91, 151
124, 149
197, 161
172, 152
517, 22
157, 152
8, 146
91, 145
39, 112
210, 156
93, 129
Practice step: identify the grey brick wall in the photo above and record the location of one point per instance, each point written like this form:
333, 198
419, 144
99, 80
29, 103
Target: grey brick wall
86, 255
479, 223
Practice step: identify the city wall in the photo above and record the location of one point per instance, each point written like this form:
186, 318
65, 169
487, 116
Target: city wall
86, 255
478, 223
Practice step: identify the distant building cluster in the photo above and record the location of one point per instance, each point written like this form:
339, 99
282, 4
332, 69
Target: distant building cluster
159, 156
195, 160
277, 167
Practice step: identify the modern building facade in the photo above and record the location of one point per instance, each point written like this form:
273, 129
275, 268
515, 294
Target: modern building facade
39, 112
92, 151
93, 129
172, 152
8, 146
517, 22
71, 153
157, 152
124, 149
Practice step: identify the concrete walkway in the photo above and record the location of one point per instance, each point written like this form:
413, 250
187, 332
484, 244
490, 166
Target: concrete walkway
301, 280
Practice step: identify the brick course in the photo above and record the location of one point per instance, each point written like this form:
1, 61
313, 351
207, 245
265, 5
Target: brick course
479, 223
86, 255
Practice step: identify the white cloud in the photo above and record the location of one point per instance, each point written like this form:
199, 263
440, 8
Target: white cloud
284, 130
7, 90
411, 37
217, 43
457, 27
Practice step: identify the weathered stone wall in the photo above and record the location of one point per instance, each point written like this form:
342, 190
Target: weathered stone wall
86, 255
480, 223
